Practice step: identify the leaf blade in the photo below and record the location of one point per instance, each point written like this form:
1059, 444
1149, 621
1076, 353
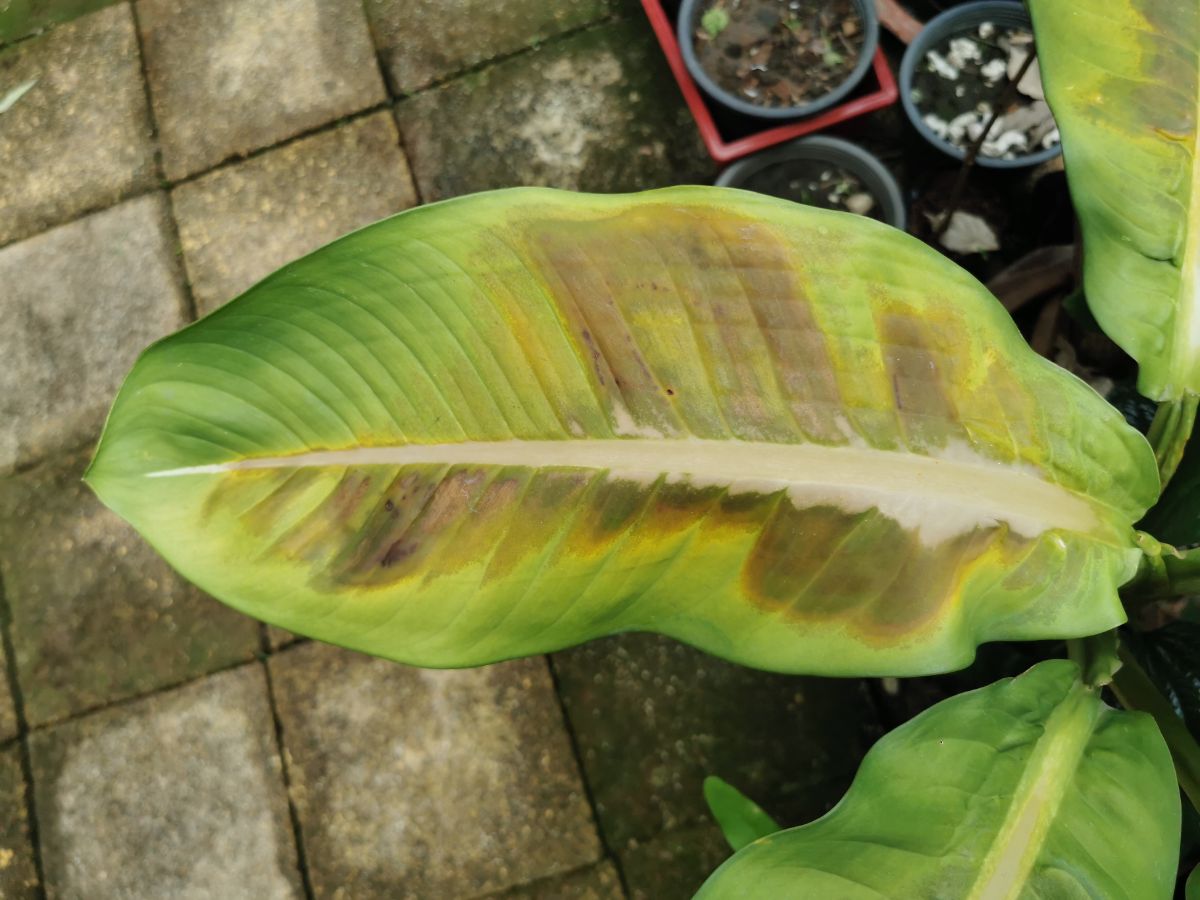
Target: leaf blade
742, 821
730, 359
1123, 80
1028, 787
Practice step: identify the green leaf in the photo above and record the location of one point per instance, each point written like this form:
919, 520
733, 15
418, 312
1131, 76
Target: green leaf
1123, 80
1030, 787
742, 820
715, 21
508, 423
1191, 890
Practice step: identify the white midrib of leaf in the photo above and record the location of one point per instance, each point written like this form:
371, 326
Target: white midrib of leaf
1047, 778
939, 497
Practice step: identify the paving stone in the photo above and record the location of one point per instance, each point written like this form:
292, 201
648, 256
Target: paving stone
80, 138
429, 784
78, 305
176, 795
597, 111
18, 877
423, 41
97, 615
240, 223
653, 717
599, 882
227, 77
672, 866
8, 713
278, 638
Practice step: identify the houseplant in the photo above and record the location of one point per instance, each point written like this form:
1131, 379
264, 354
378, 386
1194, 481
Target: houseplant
822, 171
801, 440
948, 98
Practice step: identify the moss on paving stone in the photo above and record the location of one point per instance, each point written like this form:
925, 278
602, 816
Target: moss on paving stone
423, 41
8, 713
175, 795
80, 137
599, 882
597, 111
97, 615
78, 304
422, 783
228, 76
653, 717
241, 222
18, 876
672, 866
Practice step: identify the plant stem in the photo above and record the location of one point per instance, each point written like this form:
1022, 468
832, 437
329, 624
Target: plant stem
1164, 572
1136, 691
1169, 433
960, 182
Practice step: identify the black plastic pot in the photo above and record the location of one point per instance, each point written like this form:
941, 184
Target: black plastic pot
874, 175
939, 29
689, 13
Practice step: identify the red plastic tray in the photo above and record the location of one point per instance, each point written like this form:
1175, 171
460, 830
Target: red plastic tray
723, 150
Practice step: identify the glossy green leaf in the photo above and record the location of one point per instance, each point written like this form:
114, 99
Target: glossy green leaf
1028, 788
1191, 890
742, 820
1123, 79
509, 423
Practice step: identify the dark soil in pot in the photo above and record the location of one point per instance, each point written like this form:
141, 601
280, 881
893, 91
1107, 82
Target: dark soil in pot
815, 182
779, 53
961, 80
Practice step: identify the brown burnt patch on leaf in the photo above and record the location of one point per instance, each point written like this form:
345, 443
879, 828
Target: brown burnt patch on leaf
794, 545
703, 325
821, 564
417, 502
553, 500
323, 531
920, 363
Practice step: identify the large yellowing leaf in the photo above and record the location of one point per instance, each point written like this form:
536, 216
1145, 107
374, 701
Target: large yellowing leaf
508, 423
1123, 79
1029, 788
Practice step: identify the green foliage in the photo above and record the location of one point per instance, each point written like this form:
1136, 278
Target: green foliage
509, 423
714, 21
1031, 787
742, 820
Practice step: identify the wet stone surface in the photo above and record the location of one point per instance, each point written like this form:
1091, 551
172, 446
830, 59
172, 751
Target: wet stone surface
599, 882
78, 304
672, 866
421, 783
79, 138
423, 41
242, 222
596, 111
8, 713
653, 717
97, 615
227, 77
176, 795
18, 876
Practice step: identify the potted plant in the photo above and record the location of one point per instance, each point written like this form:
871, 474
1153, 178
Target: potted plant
777, 59
971, 71
728, 134
822, 171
